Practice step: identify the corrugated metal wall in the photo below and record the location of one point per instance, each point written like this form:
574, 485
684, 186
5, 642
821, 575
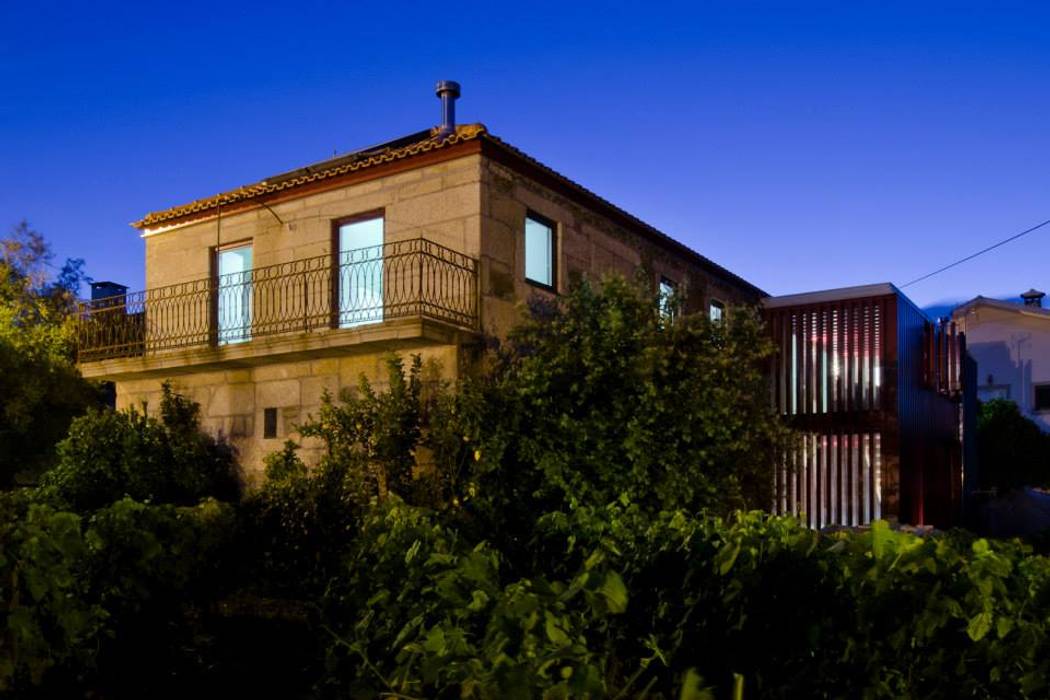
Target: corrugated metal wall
874, 389
829, 380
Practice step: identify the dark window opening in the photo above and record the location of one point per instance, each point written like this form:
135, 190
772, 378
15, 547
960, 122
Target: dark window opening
269, 422
1042, 397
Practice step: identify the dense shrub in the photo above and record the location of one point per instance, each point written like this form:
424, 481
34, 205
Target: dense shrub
99, 601
422, 612
298, 525
112, 454
1012, 450
47, 615
598, 395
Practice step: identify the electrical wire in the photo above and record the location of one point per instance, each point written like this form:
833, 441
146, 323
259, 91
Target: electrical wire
974, 255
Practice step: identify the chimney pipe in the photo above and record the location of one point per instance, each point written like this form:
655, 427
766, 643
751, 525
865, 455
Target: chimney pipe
1033, 297
447, 91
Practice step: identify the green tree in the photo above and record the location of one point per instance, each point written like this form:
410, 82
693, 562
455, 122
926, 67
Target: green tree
41, 387
599, 396
111, 454
1012, 451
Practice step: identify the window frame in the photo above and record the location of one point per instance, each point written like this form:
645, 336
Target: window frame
712, 304
666, 310
334, 241
216, 330
553, 226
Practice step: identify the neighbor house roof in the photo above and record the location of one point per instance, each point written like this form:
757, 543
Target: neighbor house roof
404, 151
1010, 306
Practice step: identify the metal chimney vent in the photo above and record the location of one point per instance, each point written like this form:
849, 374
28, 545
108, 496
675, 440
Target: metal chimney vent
448, 92
1033, 297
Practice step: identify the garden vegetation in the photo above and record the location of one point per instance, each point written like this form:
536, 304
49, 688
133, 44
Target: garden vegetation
579, 517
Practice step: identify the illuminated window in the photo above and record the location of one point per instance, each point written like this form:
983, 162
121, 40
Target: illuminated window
716, 310
234, 303
361, 272
668, 297
539, 250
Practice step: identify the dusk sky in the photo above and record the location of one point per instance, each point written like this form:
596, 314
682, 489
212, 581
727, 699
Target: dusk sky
802, 146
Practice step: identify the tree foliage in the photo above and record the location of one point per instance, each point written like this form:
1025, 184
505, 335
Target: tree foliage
167, 459
1012, 451
41, 386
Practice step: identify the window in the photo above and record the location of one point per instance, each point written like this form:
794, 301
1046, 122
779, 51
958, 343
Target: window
361, 272
234, 303
716, 310
539, 251
269, 423
1042, 397
668, 292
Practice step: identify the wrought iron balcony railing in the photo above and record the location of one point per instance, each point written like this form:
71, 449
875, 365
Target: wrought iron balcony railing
369, 285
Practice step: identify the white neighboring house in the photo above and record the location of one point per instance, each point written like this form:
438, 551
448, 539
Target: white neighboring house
1010, 342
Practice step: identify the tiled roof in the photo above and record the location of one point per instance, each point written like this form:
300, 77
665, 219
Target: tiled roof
407, 147
1011, 306
321, 171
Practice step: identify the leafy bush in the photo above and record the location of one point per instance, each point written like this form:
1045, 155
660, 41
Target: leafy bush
421, 611
100, 601
1012, 450
298, 526
47, 617
112, 454
598, 395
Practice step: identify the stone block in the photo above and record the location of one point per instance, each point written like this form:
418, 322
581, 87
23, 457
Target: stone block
313, 389
282, 392
232, 400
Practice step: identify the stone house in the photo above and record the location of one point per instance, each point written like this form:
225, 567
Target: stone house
262, 298
1010, 341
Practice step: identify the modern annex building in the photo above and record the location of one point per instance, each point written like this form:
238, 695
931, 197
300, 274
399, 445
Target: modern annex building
883, 398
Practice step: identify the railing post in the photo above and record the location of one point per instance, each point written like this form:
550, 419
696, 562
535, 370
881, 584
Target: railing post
306, 303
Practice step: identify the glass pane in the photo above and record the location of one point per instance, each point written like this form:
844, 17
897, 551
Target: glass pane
539, 252
717, 310
668, 289
361, 273
235, 295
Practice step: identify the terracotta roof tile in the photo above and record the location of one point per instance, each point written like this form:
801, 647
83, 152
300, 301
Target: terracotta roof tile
336, 167
406, 148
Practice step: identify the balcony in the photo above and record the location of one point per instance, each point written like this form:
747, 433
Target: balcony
412, 290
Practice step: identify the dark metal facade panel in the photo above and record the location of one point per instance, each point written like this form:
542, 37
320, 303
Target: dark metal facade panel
873, 389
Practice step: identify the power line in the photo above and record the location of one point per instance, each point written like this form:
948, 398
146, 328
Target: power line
980, 252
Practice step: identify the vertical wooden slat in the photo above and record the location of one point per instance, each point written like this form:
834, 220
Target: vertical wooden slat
821, 368
876, 478
866, 473
818, 463
797, 398
847, 404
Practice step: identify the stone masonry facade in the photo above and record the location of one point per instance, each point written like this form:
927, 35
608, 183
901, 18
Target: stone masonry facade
472, 199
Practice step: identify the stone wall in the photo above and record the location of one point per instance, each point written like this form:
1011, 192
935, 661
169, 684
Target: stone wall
588, 245
233, 401
470, 204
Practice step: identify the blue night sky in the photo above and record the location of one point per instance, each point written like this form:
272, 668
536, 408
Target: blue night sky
803, 147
